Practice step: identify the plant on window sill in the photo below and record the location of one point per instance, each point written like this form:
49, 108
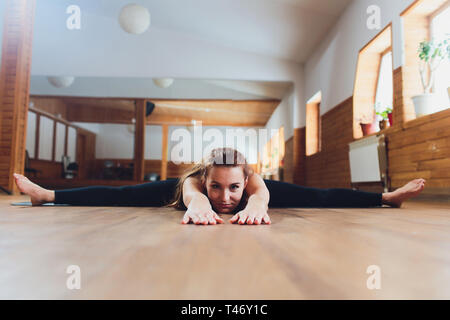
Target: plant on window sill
430, 54
386, 115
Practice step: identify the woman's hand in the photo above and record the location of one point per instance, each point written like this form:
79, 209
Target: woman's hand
254, 213
200, 212
207, 216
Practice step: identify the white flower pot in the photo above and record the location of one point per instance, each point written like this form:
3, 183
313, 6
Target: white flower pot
425, 104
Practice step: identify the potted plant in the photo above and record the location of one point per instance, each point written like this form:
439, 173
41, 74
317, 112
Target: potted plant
431, 54
368, 124
386, 115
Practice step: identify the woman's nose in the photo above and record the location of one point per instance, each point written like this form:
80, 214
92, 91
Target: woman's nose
225, 196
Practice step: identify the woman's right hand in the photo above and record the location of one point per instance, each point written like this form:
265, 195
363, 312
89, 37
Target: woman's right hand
199, 215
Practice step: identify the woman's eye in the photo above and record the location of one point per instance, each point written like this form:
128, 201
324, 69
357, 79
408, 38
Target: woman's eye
234, 187
215, 186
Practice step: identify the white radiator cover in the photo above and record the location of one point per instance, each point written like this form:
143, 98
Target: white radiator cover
368, 162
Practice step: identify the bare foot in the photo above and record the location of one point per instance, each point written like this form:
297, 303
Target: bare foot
409, 190
37, 194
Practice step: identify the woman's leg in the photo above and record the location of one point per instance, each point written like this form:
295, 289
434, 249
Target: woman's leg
152, 194
156, 193
283, 194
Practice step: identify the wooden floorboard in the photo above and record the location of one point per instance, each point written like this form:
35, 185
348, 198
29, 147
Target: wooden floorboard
145, 253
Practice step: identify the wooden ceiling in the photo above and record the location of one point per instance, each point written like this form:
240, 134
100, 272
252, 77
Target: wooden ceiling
252, 113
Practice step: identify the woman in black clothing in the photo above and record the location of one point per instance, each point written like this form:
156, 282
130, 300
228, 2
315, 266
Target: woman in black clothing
221, 183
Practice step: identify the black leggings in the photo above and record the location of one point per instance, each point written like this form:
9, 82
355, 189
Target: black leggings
159, 193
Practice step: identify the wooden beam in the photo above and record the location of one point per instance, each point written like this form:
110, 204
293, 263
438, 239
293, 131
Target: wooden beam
104, 115
37, 136
14, 88
165, 145
139, 140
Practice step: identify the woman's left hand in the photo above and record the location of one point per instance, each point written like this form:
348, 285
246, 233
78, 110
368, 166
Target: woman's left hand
251, 215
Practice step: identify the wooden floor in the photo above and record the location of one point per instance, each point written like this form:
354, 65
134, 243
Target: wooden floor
145, 253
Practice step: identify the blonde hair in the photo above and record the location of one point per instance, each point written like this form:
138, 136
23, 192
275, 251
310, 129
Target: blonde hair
228, 157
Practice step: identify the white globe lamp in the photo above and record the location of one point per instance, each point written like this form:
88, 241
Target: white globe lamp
61, 82
134, 19
163, 82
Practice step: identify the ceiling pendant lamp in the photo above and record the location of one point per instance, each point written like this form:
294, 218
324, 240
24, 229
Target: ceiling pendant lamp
134, 19
163, 82
61, 82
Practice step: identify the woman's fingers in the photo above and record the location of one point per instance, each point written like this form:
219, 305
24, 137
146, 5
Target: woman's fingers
218, 219
234, 218
211, 218
243, 218
185, 219
195, 219
266, 219
205, 218
214, 218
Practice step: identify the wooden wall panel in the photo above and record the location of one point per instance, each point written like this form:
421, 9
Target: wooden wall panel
54, 106
330, 167
418, 148
48, 169
139, 141
299, 151
85, 153
14, 88
288, 167
422, 150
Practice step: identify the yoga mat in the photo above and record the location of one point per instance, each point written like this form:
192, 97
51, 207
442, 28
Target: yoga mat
27, 203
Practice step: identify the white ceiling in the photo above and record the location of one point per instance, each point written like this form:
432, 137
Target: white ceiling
287, 30
284, 29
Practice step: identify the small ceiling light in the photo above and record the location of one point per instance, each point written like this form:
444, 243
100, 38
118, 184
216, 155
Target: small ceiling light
61, 82
134, 19
163, 82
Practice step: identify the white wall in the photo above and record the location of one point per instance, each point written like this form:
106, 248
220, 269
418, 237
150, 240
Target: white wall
153, 142
332, 67
114, 141
283, 116
45, 138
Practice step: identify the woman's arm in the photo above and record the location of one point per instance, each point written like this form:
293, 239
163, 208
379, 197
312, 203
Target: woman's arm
199, 209
257, 205
257, 191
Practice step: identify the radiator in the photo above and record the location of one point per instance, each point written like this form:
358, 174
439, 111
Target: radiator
368, 161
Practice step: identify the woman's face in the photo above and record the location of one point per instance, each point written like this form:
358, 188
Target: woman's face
224, 187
